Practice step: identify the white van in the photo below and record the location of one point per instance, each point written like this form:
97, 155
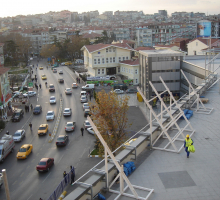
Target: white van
88, 87
6, 146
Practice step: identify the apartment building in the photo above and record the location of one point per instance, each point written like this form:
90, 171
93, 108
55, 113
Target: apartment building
156, 63
1, 55
104, 59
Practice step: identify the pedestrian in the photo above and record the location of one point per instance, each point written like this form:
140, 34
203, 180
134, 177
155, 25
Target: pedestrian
72, 178
7, 132
40, 199
40, 86
32, 71
79, 80
31, 107
188, 142
64, 175
82, 129
36, 86
27, 108
90, 97
30, 124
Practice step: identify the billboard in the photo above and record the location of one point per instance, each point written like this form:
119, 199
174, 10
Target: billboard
204, 29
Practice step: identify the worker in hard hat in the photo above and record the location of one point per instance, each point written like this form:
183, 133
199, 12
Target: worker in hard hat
188, 142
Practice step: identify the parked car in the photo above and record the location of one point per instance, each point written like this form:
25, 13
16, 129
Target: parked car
62, 140
51, 88
45, 164
17, 94
61, 80
37, 109
30, 94
67, 112
88, 87
24, 151
86, 124
90, 130
85, 106
68, 91
131, 90
61, 72
17, 115
74, 85
87, 112
63, 63
43, 129
54, 70
118, 91
83, 93
19, 135
83, 99
52, 99
50, 115
70, 126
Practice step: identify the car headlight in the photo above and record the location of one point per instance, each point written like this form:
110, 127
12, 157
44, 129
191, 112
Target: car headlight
24, 156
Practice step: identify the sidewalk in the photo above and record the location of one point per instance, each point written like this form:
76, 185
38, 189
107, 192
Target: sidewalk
174, 176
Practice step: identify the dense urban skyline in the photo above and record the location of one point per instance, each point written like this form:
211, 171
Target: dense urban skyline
26, 7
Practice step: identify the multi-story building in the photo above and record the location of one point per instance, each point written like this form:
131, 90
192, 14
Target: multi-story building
208, 28
1, 55
163, 12
144, 36
156, 63
104, 59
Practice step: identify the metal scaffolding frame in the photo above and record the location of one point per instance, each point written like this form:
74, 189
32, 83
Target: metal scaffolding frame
121, 174
199, 109
170, 115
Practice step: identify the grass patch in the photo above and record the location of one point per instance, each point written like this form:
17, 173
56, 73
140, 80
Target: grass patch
94, 152
23, 71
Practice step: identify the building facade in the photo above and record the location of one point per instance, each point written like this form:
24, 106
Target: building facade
156, 63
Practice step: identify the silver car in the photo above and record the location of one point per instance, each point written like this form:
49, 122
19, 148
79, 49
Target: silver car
52, 99
50, 115
67, 112
90, 130
68, 91
19, 135
87, 124
70, 126
83, 99
85, 106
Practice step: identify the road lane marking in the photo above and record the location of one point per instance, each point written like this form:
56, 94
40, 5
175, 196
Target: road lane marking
30, 196
21, 183
60, 158
14, 182
46, 178
22, 174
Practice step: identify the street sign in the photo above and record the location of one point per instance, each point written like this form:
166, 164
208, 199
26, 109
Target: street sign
30, 84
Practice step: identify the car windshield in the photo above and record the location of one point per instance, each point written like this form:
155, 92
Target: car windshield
17, 134
37, 108
42, 163
22, 150
87, 123
60, 138
83, 97
66, 110
51, 86
49, 113
52, 98
16, 114
42, 128
70, 124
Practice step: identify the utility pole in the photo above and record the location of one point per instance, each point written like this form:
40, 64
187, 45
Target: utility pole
6, 184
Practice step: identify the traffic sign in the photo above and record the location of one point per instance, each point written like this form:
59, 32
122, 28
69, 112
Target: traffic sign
30, 84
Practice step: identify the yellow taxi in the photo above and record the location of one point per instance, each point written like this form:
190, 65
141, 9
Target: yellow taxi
24, 151
41, 68
68, 63
44, 77
43, 129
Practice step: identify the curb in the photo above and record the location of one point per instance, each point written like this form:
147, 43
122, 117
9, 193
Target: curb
96, 156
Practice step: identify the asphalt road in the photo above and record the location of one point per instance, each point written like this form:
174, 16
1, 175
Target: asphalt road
25, 183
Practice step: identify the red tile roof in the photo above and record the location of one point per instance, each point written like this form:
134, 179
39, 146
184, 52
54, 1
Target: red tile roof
96, 47
144, 48
130, 62
3, 70
179, 39
91, 35
205, 41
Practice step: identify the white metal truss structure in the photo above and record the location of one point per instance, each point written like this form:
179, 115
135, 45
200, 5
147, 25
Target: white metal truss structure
200, 108
121, 174
166, 120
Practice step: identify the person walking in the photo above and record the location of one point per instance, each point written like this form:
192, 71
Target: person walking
72, 178
82, 129
40, 86
30, 124
188, 142
31, 107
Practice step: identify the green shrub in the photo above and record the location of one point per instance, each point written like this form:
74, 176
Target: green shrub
2, 124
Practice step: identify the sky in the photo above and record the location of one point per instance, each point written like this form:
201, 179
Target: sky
25, 7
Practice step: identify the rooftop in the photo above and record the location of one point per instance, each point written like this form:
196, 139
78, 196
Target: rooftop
155, 53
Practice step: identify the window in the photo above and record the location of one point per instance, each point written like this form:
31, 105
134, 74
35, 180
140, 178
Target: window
111, 60
103, 60
136, 71
196, 43
107, 50
95, 62
103, 71
113, 49
119, 59
123, 58
99, 61
136, 81
129, 71
118, 69
110, 49
98, 71
127, 58
106, 60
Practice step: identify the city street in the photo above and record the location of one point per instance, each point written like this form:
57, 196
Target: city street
25, 183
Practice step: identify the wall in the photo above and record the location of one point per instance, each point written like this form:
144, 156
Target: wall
130, 74
196, 46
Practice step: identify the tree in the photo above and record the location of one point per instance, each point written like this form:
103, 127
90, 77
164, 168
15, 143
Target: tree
109, 114
49, 50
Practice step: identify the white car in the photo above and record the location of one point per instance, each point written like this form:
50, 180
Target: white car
63, 63
74, 85
86, 124
19, 135
83, 99
118, 91
67, 112
52, 99
50, 115
83, 93
30, 94
61, 72
85, 106
90, 130
68, 91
